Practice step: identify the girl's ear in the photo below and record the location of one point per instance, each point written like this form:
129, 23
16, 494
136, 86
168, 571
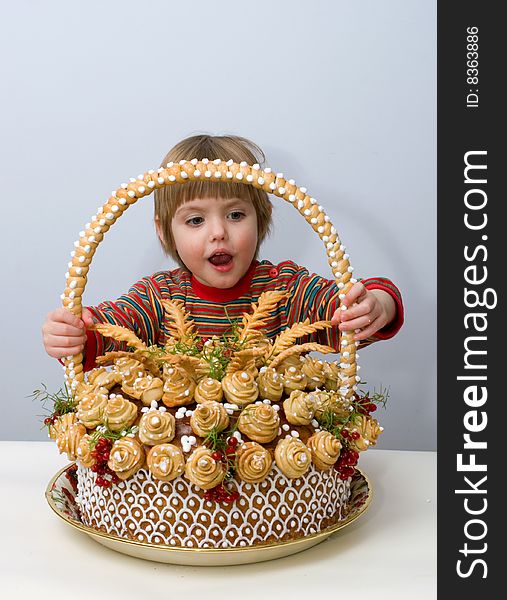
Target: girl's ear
160, 233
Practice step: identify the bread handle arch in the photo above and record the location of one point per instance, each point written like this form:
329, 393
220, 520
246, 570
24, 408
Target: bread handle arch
211, 170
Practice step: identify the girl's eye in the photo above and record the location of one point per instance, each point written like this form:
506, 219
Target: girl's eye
195, 221
236, 215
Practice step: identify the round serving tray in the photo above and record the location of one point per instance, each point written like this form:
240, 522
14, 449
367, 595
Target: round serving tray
61, 496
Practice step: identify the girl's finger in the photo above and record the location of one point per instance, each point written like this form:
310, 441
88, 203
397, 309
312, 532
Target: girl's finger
64, 329
357, 323
354, 294
61, 341
368, 330
57, 352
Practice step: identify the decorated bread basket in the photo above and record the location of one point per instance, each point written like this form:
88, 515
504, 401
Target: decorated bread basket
229, 442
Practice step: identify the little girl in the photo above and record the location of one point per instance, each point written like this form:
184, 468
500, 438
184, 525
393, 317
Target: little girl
214, 231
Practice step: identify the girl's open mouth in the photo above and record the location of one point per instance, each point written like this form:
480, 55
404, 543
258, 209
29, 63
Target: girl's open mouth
220, 260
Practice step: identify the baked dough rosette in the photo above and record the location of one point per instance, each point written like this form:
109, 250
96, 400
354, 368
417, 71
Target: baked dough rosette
208, 389
67, 433
179, 387
292, 457
321, 401
147, 389
240, 388
203, 470
294, 379
208, 416
294, 360
84, 452
325, 449
368, 429
315, 372
156, 427
253, 462
299, 408
260, 422
119, 413
339, 406
90, 410
126, 457
129, 368
270, 384
165, 462
103, 378
332, 372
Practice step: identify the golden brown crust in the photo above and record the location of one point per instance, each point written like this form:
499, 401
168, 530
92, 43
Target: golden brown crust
68, 433
207, 417
253, 462
203, 470
208, 389
325, 449
260, 422
156, 427
127, 456
91, 407
119, 413
270, 384
166, 462
240, 388
292, 457
179, 387
299, 408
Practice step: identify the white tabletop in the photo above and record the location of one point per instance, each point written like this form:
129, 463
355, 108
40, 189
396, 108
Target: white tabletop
389, 552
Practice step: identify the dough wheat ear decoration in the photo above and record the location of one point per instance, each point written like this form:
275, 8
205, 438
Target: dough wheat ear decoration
244, 360
181, 327
209, 170
284, 347
121, 334
252, 324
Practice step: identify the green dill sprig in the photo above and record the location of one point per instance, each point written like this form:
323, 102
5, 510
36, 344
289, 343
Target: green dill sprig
60, 403
379, 398
216, 441
191, 348
363, 403
331, 422
102, 431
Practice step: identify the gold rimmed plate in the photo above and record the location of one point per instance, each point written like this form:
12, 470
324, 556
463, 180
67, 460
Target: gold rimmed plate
61, 496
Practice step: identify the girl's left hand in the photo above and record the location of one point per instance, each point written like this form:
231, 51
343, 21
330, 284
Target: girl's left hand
374, 310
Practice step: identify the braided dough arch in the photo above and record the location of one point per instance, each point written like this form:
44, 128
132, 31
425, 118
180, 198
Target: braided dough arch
202, 170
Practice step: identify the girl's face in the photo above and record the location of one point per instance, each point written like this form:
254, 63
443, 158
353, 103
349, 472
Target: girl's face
216, 239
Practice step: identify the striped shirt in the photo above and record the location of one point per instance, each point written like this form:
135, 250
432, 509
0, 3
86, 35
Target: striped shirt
215, 310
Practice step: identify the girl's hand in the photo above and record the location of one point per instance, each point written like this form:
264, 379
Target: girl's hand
64, 334
374, 310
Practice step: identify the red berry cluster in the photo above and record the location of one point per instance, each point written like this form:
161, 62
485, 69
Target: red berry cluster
101, 455
347, 461
48, 421
365, 405
200, 343
220, 493
229, 452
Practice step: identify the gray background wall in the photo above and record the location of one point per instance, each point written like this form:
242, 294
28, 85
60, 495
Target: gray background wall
341, 96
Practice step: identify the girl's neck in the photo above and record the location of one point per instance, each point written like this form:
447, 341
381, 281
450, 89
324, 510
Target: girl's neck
206, 292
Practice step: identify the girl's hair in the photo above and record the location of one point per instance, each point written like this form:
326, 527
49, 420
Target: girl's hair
169, 198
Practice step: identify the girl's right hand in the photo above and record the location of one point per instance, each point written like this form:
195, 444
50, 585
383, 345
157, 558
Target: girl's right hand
64, 334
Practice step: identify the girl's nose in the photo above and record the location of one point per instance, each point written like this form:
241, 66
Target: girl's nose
217, 230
